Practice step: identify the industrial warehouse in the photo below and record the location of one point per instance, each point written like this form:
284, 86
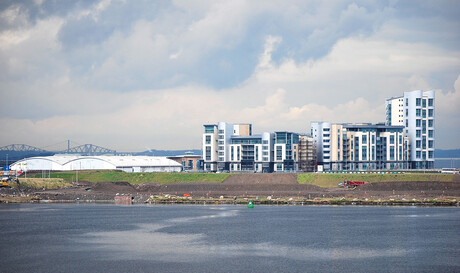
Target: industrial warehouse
131, 164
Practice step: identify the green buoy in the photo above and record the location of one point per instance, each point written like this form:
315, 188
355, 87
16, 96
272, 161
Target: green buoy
250, 205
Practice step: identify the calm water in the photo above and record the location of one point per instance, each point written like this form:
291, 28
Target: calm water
109, 238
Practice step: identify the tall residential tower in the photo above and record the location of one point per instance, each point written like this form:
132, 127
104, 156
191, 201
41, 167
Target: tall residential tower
415, 111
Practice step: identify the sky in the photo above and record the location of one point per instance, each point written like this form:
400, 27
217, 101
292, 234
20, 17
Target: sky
139, 75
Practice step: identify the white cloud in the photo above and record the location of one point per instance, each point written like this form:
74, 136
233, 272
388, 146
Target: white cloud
46, 98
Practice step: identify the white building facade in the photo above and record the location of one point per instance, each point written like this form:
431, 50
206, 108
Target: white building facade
360, 147
216, 143
415, 111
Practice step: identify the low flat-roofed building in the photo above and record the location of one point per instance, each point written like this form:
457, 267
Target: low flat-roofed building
76, 162
189, 162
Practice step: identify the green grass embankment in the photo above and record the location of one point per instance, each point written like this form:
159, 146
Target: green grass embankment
332, 179
42, 183
137, 178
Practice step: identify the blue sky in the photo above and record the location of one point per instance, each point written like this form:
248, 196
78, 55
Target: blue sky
147, 74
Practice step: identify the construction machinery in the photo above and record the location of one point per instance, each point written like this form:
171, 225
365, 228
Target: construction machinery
352, 184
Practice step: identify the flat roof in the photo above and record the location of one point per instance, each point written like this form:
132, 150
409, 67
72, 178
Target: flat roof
244, 137
372, 126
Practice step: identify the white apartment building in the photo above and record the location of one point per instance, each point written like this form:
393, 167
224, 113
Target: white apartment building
216, 140
415, 111
360, 146
321, 133
251, 153
233, 148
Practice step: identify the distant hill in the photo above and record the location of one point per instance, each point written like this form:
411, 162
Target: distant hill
167, 152
454, 153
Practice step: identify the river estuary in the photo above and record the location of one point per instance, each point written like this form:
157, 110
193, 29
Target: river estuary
177, 238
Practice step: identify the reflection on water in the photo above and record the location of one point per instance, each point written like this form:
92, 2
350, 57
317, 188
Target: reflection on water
152, 241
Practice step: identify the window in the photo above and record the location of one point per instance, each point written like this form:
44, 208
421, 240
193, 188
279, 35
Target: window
400, 153
430, 102
279, 167
430, 154
424, 113
326, 129
221, 131
407, 123
407, 112
424, 103
424, 127
209, 129
430, 123
418, 123
264, 153
208, 139
430, 113
221, 148
338, 142
326, 140
418, 144
400, 139
430, 133
208, 152
327, 146
430, 144
392, 152
407, 102
423, 155
418, 101
221, 142
373, 139
238, 153
418, 133
279, 153
417, 154
364, 153
364, 139
265, 141
265, 148
392, 139
424, 142
265, 158
326, 135
417, 112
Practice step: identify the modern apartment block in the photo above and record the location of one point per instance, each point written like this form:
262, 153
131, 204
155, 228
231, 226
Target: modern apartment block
233, 148
415, 111
251, 153
286, 152
216, 139
359, 146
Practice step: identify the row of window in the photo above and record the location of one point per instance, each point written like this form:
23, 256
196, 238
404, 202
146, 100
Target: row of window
422, 155
420, 102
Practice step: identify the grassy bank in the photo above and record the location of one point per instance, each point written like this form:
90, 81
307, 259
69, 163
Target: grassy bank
42, 183
137, 178
332, 179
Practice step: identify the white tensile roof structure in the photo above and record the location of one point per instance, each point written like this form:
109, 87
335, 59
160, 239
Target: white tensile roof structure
105, 162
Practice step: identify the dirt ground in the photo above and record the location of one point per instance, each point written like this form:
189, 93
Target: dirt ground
246, 185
